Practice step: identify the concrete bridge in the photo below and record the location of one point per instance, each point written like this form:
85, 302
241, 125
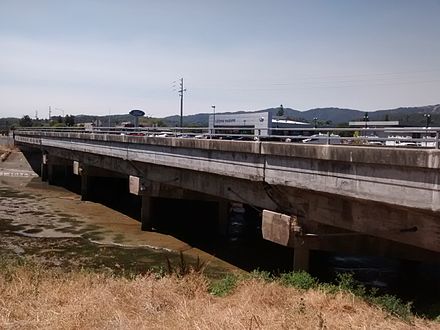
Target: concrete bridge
356, 199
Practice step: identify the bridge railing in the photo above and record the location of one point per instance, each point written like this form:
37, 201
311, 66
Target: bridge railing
413, 137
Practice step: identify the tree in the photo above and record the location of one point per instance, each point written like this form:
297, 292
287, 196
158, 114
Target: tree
280, 112
69, 120
25, 121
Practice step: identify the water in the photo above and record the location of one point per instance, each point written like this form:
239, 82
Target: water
52, 226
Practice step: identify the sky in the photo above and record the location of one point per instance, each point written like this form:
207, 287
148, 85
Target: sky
104, 57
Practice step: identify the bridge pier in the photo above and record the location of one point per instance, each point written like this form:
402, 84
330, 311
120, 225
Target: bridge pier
138, 187
44, 168
147, 213
85, 185
55, 170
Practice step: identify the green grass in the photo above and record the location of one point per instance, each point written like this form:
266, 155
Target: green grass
224, 286
301, 280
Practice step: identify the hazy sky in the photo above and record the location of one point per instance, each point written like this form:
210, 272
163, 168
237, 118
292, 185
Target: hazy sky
101, 56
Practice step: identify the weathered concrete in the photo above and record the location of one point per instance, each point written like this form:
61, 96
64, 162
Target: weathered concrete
285, 230
385, 192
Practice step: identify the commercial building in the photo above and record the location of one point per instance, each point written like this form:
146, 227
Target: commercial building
261, 124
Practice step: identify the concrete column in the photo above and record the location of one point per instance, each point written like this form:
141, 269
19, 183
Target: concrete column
50, 173
67, 174
44, 172
43, 168
301, 257
85, 186
146, 213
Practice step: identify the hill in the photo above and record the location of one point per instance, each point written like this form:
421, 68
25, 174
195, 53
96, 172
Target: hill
410, 116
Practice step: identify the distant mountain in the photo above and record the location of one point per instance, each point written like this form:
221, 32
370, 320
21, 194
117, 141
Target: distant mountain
333, 115
410, 116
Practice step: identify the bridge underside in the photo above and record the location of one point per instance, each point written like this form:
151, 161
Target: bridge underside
327, 221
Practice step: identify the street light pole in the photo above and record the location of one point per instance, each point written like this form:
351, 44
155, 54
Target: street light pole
315, 122
366, 119
428, 119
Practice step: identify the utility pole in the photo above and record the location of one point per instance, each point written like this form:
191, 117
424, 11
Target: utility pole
181, 91
50, 112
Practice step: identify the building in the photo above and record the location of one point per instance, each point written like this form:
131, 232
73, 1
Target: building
259, 124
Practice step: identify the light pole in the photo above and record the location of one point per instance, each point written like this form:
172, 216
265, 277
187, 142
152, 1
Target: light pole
315, 122
428, 119
213, 119
366, 119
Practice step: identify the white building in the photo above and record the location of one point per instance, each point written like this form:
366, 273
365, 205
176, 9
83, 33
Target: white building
261, 124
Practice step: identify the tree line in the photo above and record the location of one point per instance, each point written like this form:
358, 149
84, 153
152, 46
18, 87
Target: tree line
67, 120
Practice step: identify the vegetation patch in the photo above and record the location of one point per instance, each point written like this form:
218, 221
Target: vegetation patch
52, 298
301, 280
224, 286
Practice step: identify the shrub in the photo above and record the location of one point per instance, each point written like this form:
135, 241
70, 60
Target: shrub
389, 303
346, 282
301, 280
393, 305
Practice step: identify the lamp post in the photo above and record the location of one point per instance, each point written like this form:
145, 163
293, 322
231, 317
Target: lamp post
428, 119
366, 119
315, 122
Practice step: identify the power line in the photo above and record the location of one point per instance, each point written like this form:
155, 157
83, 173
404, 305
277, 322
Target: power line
335, 81
324, 85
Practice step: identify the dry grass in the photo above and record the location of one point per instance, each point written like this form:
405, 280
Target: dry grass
35, 298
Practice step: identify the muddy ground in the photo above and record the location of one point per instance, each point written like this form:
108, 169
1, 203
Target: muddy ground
51, 226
